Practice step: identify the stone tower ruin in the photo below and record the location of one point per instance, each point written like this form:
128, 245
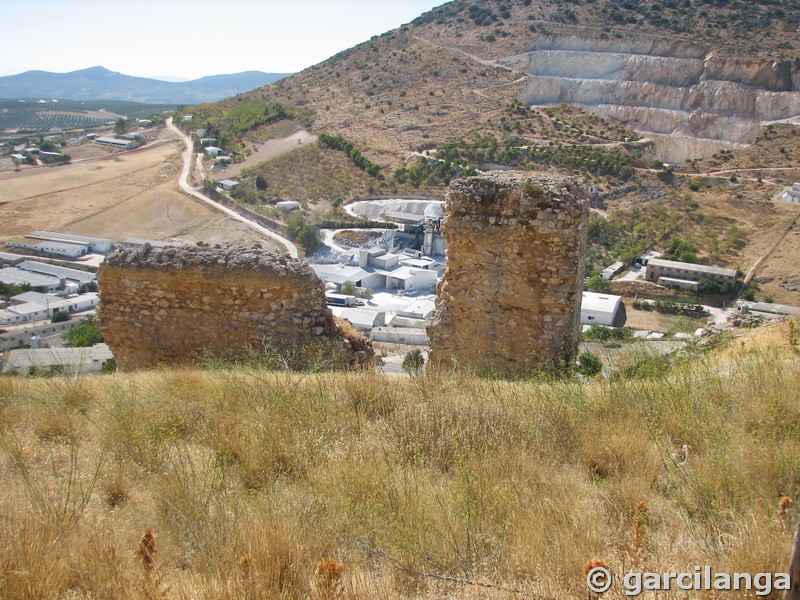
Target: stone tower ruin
510, 299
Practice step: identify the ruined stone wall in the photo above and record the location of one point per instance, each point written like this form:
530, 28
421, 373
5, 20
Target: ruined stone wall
510, 299
177, 305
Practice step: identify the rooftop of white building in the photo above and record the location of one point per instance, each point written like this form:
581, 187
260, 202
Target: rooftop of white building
593, 302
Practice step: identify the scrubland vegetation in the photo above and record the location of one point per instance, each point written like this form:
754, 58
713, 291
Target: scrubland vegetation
239, 482
315, 172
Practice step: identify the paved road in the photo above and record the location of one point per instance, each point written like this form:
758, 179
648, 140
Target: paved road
184, 183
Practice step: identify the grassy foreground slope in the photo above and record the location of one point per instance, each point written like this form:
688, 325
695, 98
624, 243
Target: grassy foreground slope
249, 480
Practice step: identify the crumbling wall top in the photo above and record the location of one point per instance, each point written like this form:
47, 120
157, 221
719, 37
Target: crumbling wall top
231, 257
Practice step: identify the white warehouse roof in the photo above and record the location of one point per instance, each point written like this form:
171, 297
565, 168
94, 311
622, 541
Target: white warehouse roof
602, 303
17, 276
69, 237
673, 264
339, 273
56, 271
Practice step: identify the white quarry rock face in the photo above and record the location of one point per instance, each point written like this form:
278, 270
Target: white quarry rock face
664, 87
615, 66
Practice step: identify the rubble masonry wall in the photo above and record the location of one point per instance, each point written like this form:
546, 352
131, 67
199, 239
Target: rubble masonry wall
510, 299
177, 305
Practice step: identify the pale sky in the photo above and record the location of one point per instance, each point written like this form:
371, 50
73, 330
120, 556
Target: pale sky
190, 38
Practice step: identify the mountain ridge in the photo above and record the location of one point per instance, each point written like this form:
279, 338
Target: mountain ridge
95, 83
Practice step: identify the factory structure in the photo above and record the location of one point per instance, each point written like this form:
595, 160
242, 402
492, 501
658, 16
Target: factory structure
62, 245
686, 276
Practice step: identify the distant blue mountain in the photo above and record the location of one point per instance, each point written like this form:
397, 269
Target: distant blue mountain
98, 83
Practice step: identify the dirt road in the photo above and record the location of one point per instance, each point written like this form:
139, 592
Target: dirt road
187, 167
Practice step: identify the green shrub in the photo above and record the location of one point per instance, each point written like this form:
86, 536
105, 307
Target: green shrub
84, 334
59, 316
589, 364
413, 361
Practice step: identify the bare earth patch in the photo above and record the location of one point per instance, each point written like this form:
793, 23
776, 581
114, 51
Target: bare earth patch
125, 195
267, 151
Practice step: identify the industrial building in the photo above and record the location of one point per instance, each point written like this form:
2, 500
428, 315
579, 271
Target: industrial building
214, 151
686, 276
400, 335
793, 195
610, 272
18, 337
356, 276
98, 245
61, 244
409, 279
602, 309
228, 184
116, 143
768, 308
52, 248
67, 360
362, 319
378, 268
37, 282
36, 306
73, 275
419, 309
7, 258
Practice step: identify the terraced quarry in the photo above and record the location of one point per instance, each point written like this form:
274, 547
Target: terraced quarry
684, 97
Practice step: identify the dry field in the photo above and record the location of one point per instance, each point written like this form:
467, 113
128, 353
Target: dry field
238, 482
132, 194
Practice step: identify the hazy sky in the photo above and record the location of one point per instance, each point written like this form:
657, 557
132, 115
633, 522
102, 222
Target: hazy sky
190, 38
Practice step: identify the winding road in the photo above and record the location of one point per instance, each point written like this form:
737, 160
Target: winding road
184, 183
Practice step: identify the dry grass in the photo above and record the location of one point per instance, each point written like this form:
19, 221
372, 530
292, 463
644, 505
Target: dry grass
245, 483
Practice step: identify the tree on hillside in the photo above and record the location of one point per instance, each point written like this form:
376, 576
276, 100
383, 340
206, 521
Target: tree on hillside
295, 222
88, 287
59, 316
309, 237
597, 284
120, 126
7, 290
84, 334
210, 188
709, 286
681, 250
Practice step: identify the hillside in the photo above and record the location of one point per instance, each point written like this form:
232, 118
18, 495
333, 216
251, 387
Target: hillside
98, 83
261, 484
455, 68
607, 91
